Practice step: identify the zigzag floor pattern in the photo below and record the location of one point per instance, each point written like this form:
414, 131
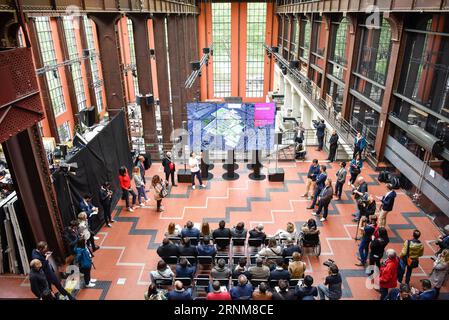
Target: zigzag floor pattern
128, 249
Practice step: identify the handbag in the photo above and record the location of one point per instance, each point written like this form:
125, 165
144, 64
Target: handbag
164, 191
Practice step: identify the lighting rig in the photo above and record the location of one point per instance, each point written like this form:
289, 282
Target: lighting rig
197, 66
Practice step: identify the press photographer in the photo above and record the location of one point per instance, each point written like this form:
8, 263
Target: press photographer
331, 288
360, 192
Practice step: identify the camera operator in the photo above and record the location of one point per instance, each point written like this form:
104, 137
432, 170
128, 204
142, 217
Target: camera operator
359, 190
320, 129
331, 288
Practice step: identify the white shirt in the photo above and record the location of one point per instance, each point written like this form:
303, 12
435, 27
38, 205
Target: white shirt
194, 164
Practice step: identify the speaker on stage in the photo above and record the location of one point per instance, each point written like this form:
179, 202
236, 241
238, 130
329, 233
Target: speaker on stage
88, 116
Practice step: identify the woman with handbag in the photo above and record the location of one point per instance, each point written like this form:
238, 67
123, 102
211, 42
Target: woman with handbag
411, 251
160, 191
440, 271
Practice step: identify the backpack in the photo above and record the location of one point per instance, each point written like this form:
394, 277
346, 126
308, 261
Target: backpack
384, 176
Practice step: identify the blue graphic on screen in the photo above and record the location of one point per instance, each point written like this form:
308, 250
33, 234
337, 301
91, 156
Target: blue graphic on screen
230, 126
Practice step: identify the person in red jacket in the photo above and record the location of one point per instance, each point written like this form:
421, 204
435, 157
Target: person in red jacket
217, 294
388, 273
125, 185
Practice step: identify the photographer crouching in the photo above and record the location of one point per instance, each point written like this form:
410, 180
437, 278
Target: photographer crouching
331, 288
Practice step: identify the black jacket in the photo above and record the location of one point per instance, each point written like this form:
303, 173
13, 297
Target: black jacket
221, 233
256, 234
284, 295
279, 275
71, 239
46, 267
166, 165
105, 198
302, 292
333, 141
288, 251
168, 250
39, 283
188, 251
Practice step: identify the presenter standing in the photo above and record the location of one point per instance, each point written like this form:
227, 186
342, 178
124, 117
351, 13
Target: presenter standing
194, 163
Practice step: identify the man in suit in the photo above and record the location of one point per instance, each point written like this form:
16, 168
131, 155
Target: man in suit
333, 145
387, 205
320, 128
359, 145
312, 174
167, 249
324, 200
320, 182
341, 179
169, 168
221, 232
359, 190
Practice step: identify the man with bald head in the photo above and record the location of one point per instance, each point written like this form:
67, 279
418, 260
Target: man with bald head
179, 292
257, 233
359, 190
243, 290
38, 281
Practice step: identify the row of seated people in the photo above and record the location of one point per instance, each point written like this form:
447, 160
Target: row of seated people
262, 271
241, 289
284, 243
238, 231
206, 248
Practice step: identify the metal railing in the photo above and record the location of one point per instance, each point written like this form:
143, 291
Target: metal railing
345, 129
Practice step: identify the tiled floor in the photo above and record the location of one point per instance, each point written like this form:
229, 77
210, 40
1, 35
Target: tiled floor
128, 249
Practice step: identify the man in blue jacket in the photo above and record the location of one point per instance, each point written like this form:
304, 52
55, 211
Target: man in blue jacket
320, 182
428, 292
243, 291
184, 269
87, 207
179, 293
313, 172
320, 128
386, 206
190, 231
359, 145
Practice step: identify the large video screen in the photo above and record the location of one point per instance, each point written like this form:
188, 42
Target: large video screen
231, 126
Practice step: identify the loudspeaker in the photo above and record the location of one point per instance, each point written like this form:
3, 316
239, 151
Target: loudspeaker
294, 64
196, 65
276, 174
149, 99
233, 99
275, 49
278, 137
88, 116
86, 53
206, 50
139, 100
184, 176
284, 70
152, 52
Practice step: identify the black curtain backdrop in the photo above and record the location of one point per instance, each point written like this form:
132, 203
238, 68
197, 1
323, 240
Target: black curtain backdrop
98, 162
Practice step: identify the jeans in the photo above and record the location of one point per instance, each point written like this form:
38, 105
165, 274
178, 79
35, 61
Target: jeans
364, 250
172, 174
126, 195
324, 292
407, 272
141, 193
86, 273
383, 293
198, 175
339, 188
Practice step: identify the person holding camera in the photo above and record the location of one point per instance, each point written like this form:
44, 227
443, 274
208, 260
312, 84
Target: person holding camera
312, 174
320, 129
319, 186
331, 288
360, 192
106, 200
306, 290
324, 199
